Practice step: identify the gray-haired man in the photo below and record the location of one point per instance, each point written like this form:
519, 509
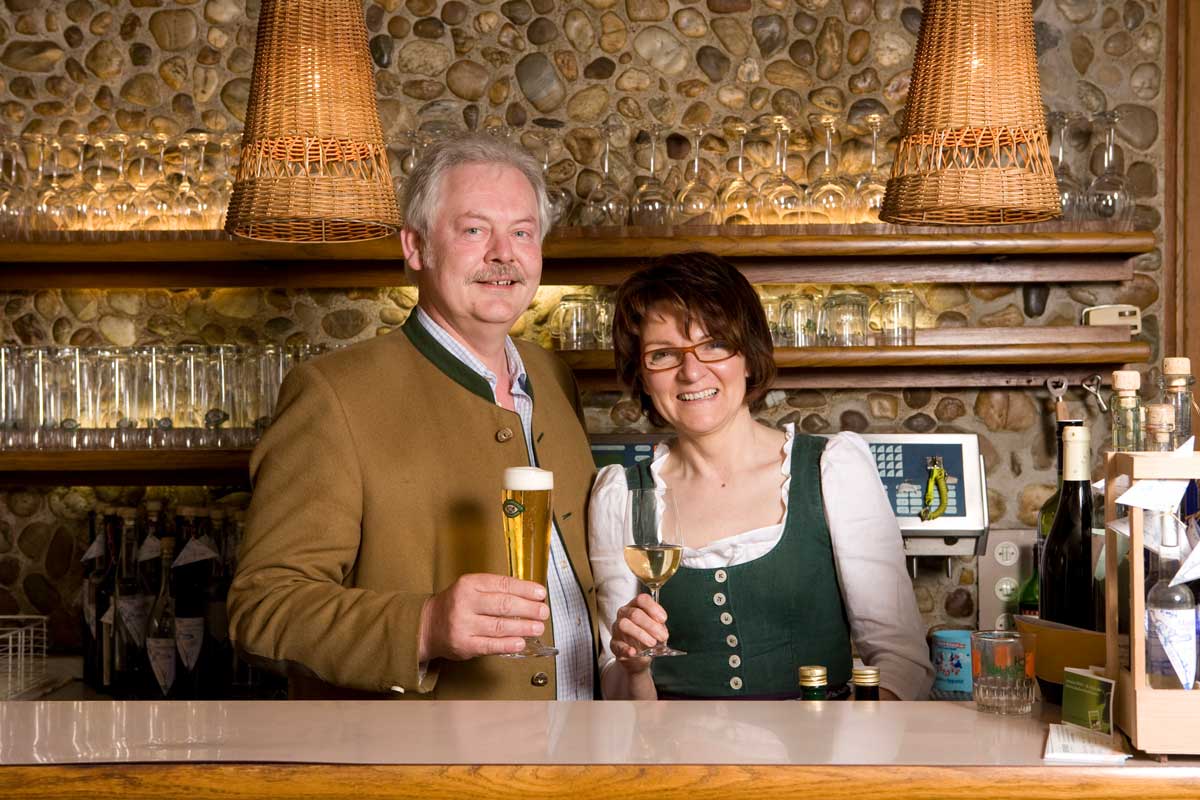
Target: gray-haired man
374, 558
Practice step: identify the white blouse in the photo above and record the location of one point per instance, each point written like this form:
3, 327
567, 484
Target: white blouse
868, 552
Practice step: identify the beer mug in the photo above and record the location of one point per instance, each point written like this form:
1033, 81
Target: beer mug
843, 319
573, 323
771, 309
896, 312
798, 320
526, 514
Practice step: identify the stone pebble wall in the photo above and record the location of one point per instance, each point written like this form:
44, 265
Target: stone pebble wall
567, 67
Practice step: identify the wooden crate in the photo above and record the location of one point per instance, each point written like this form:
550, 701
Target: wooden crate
1157, 721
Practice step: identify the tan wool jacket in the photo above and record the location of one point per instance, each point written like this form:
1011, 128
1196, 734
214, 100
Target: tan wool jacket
378, 485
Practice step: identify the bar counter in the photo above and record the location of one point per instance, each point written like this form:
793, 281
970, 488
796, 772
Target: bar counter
366, 750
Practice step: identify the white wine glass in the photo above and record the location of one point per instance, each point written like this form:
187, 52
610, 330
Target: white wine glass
653, 546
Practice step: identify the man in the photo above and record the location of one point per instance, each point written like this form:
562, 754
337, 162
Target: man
374, 558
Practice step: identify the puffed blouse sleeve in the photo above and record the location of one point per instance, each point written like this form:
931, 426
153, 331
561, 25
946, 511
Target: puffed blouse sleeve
615, 584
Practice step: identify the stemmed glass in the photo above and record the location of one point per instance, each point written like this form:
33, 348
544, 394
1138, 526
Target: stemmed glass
654, 545
1107, 197
95, 184
830, 194
143, 169
230, 143
560, 198
1070, 190
737, 195
870, 186
13, 202
606, 205
187, 206
651, 202
696, 203
781, 201
88, 173
161, 192
53, 205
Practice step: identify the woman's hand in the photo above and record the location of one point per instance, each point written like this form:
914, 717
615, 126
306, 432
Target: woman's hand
639, 624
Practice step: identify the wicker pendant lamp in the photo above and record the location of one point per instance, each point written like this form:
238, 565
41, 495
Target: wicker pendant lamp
973, 150
313, 166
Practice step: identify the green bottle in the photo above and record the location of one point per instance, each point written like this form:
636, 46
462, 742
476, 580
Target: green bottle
1029, 597
813, 681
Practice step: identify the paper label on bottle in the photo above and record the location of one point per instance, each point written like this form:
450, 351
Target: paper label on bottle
189, 638
107, 617
89, 609
217, 619
193, 551
95, 550
135, 611
151, 549
162, 661
1171, 632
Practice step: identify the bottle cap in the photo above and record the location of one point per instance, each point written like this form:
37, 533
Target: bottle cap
865, 676
1077, 434
813, 676
1177, 366
1127, 380
1160, 415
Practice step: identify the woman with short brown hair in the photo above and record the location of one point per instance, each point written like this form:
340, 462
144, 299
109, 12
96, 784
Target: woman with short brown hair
776, 573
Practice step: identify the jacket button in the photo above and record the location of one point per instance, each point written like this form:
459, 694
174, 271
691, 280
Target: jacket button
504, 434
539, 679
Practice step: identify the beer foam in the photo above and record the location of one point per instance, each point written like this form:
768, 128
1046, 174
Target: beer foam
528, 479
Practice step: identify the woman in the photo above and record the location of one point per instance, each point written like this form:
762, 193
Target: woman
791, 548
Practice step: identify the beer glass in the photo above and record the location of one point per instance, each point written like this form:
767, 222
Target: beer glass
844, 319
653, 546
897, 318
573, 323
798, 320
527, 511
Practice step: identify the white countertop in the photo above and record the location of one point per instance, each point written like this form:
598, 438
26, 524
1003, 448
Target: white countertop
768, 733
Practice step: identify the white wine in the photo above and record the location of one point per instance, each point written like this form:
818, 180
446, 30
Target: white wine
653, 564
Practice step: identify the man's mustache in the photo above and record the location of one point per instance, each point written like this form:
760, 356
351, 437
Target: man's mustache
507, 273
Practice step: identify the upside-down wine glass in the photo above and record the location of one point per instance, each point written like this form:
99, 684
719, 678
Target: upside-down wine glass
830, 194
696, 203
1108, 197
870, 186
1070, 190
737, 195
606, 205
781, 201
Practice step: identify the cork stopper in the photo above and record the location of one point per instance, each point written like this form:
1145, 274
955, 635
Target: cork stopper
813, 676
865, 676
1127, 380
1160, 415
1177, 366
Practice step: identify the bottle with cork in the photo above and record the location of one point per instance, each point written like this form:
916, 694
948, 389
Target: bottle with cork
1128, 416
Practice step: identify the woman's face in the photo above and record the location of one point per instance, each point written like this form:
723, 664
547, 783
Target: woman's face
697, 397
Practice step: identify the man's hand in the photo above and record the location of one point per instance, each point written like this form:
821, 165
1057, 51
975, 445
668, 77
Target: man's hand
482, 615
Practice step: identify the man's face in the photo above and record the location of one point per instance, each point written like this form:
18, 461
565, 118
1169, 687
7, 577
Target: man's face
482, 262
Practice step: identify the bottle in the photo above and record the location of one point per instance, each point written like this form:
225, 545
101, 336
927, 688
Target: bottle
1172, 610
1128, 416
162, 655
1176, 389
1028, 598
1066, 568
106, 586
93, 561
219, 666
813, 681
866, 683
1159, 438
150, 550
131, 609
190, 575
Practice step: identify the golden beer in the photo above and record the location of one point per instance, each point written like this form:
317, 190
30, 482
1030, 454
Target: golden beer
526, 512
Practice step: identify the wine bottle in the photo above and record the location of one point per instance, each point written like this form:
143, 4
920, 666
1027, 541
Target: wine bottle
813, 683
105, 608
162, 655
191, 570
1029, 596
219, 663
1066, 566
93, 559
130, 603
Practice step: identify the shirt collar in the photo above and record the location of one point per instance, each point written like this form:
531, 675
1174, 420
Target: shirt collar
516, 367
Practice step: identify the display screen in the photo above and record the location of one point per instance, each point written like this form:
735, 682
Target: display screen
904, 474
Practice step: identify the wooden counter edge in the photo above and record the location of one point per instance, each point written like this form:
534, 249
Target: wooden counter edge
200, 781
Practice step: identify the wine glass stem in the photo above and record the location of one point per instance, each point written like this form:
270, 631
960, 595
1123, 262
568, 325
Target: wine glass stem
654, 596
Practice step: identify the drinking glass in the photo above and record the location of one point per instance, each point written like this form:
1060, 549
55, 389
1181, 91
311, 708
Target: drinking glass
1070, 190
1002, 671
187, 206
72, 398
651, 202
606, 205
560, 198
144, 169
696, 203
223, 412
831, 195
780, 199
116, 403
737, 195
653, 545
1108, 197
897, 318
870, 186
798, 320
36, 366
526, 513
604, 322
156, 396
10, 395
230, 153
14, 201
189, 384
573, 323
113, 202
54, 210
843, 319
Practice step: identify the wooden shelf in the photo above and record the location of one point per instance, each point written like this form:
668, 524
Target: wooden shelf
1026, 359
125, 467
765, 254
